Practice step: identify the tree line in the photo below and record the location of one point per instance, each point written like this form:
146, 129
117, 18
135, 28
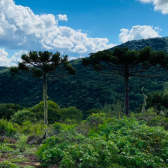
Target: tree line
120, 62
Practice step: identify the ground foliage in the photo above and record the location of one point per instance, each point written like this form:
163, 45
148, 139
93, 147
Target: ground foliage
118, 143
99, 141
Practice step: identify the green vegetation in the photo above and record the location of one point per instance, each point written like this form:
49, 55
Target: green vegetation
7, 110
53, 111
87, 127
122, 142
7, 164
22, 116
99, 141
70, 113
6, 128
85, 90
122, 62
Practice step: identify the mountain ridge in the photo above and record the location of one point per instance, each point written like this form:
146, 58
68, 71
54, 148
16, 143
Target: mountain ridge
85, 90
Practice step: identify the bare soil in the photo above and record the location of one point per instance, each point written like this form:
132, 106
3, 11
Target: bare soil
31, 161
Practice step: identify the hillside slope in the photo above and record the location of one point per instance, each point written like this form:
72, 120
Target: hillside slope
85, 90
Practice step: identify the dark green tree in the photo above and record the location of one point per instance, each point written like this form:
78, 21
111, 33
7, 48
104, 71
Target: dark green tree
71, 113
47, 66
9, 109
121, 62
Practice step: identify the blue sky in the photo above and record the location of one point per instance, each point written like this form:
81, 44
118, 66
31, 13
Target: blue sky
76, 28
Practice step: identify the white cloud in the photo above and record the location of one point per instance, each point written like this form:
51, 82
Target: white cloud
3, 57
21, 29
74, 58
159, 5
17, 57
138, 32
6, 61
146, 1
62, 17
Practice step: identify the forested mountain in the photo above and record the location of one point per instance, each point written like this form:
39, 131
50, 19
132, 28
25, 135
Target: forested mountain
155, 43
85, 90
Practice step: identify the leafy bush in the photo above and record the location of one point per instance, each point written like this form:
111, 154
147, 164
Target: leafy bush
139, 145
33, 129
90, 111
22, 116
6, 128
53, 111
95, 119
83, 128
21, 142
152, 118
72, 149
71, 113
122, 142
70, 121
114, 110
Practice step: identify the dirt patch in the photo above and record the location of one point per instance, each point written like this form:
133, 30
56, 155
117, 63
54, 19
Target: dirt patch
32, 140
31, 161
3, 157
6, 139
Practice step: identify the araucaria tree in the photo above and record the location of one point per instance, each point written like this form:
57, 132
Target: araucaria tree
125, 63
47, 66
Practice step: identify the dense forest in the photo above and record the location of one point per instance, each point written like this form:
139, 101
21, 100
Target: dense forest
85, 90
86, 126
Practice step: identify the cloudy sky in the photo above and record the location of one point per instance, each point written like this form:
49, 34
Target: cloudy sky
76, 27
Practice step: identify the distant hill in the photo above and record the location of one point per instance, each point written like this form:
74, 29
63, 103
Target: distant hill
85, 90
159, 43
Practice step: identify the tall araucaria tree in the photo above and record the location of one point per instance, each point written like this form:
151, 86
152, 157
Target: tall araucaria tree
47, 66
125, 63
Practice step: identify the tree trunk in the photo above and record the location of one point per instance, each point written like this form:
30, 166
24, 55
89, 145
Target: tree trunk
45, 101
126, 77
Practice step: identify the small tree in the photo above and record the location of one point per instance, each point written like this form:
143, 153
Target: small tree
125, 63
46, 66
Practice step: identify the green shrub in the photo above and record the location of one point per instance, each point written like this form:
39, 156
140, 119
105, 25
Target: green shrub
153, 119
70, 113
21, 142
75, 150
114, 110
22, 116
53, 111
95, 119
6, 128
7, 164
122, 143
90, 111
166, 113
70, 121
83, 128
33, 129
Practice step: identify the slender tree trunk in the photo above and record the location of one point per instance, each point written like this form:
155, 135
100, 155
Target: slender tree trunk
45, 101
126, 77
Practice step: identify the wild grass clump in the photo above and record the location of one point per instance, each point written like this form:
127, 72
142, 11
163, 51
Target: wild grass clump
153, 118
7, 164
